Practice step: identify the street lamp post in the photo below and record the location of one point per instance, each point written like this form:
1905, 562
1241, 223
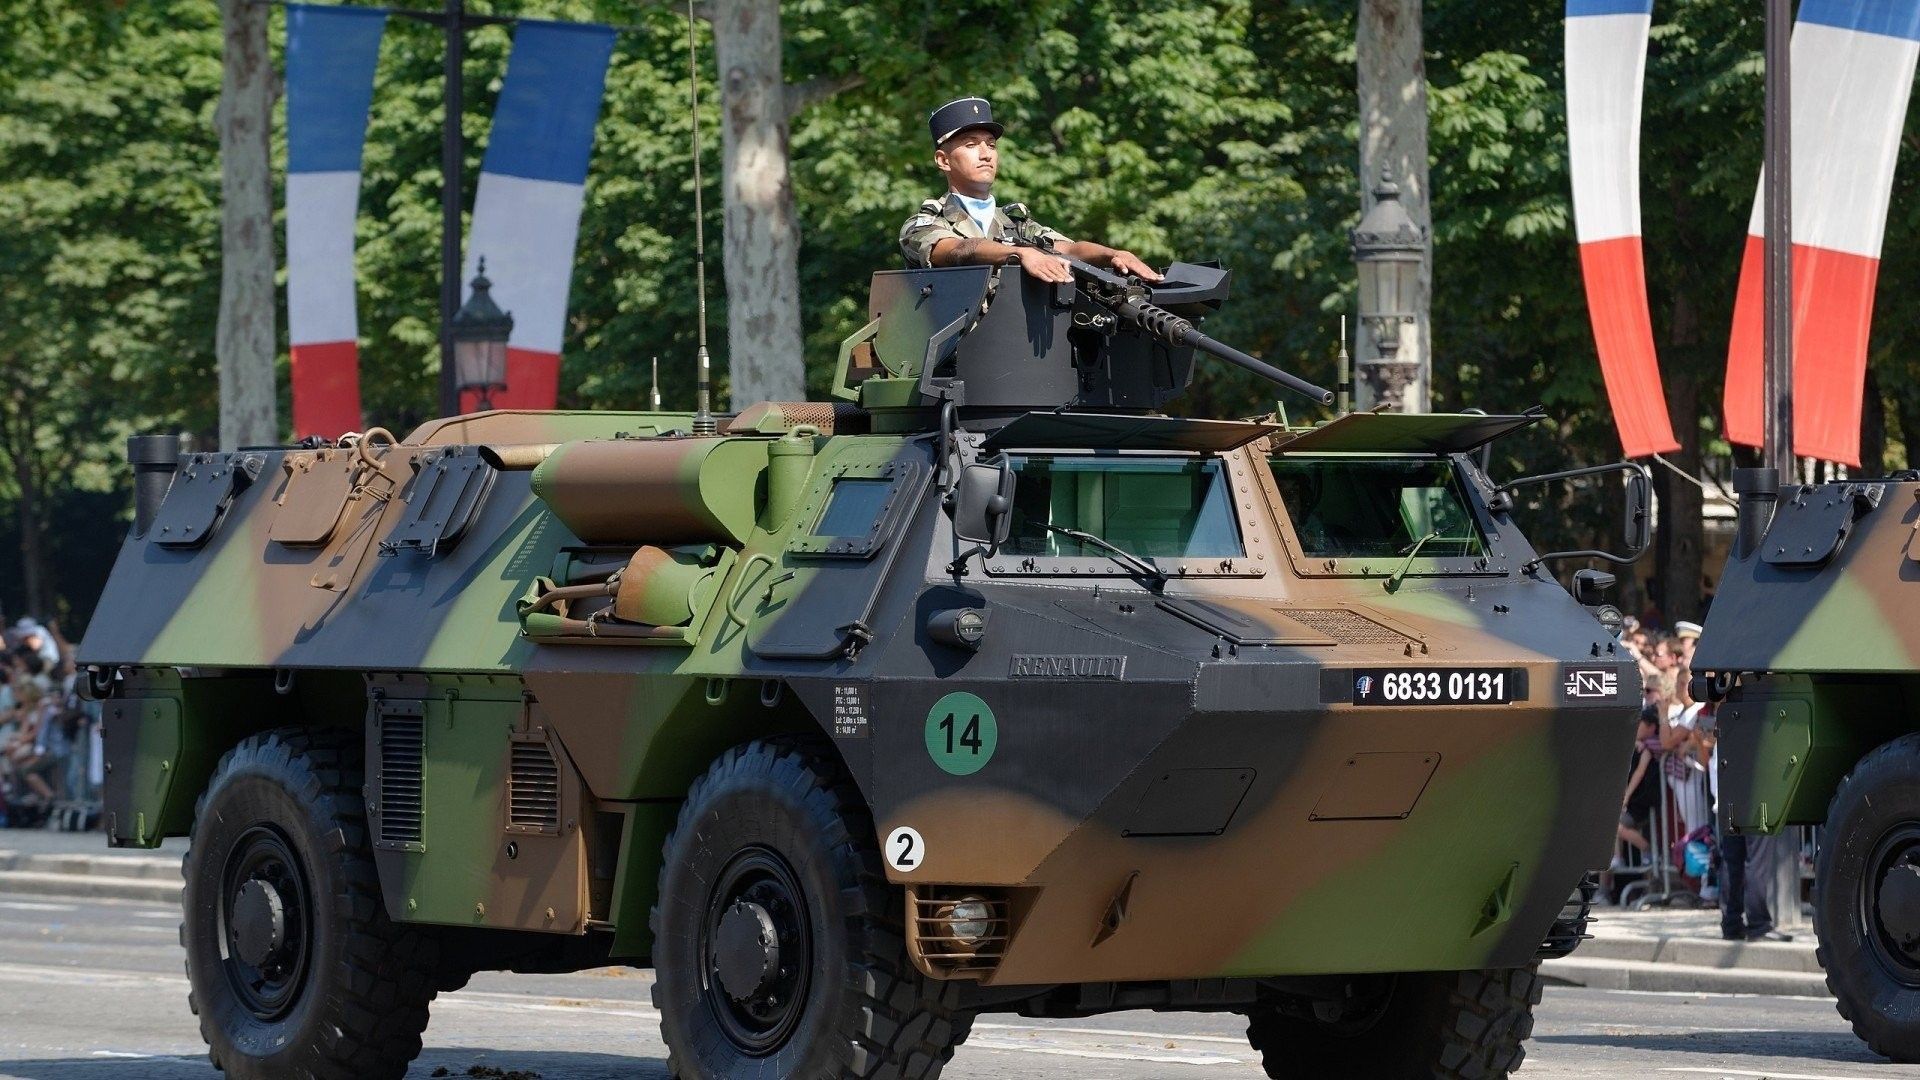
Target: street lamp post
1388, 249
480, 331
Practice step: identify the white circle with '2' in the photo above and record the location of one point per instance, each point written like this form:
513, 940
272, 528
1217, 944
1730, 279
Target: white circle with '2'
904, 851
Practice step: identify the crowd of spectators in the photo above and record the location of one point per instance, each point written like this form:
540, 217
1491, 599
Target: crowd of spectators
1668, 809
49, 737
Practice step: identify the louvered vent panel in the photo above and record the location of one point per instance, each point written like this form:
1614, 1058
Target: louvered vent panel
402, 742
533, 788
1345, 627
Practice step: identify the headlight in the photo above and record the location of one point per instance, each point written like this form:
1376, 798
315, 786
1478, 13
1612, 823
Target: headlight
1611, 618
971, 920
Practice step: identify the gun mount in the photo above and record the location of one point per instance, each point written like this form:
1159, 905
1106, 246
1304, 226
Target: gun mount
1000, 348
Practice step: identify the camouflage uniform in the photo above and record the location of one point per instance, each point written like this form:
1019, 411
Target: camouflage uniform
939, 219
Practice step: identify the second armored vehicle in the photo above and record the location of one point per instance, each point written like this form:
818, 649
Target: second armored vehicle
986, 688
1813, 650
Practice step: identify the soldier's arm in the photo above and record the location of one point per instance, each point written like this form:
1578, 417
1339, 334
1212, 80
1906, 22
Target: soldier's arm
973, 251
1122, 262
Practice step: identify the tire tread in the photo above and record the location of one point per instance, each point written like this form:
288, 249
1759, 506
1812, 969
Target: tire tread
384, 984
900, 1025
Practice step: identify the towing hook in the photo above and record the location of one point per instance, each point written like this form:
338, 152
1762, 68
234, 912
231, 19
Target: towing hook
102, 682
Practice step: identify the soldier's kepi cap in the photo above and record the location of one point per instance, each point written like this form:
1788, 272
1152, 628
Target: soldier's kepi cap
957, 116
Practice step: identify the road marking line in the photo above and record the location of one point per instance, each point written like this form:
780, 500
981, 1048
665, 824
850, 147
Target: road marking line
995, 1042
1768, 1075
173, 915
28, 905
1715, 994
1125, 1034
49, 973
596, 1008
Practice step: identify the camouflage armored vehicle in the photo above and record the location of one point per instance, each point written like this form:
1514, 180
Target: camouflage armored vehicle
1812, 648
984, 687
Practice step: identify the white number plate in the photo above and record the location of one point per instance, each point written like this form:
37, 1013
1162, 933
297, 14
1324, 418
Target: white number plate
1437, 686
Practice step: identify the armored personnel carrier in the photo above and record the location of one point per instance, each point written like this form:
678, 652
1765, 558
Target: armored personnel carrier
985, 687
1812, 648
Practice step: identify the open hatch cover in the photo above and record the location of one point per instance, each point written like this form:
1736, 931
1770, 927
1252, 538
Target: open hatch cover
1403, 433
1119, 431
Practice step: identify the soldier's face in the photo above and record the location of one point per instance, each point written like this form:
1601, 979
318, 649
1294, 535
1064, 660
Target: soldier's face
970, 159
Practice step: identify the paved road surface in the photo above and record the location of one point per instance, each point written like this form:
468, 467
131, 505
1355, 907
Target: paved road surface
95, 989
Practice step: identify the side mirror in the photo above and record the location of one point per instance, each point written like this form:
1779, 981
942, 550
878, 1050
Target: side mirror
981, 504
1639, 510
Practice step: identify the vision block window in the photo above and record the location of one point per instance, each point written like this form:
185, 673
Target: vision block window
1372, 507
1155, 507
854, 507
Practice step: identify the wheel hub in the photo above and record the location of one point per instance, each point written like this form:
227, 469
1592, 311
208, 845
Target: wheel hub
265, 923
259, 923
746, 951
758, 951
1899, 905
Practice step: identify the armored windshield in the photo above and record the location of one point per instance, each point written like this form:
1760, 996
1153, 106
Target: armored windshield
1149, 506
1363, 507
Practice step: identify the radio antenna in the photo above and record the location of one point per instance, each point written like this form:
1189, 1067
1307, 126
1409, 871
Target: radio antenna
1344, 376
703, 402
654, 401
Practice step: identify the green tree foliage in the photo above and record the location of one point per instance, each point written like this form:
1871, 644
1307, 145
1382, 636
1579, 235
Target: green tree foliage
109, 269
1178, 128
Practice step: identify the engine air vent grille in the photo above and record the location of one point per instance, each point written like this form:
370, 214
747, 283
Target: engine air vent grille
1344, 626
403, 738
533, 787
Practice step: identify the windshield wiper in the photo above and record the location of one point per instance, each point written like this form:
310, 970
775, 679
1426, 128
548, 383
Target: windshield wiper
1393, 582
1113, 551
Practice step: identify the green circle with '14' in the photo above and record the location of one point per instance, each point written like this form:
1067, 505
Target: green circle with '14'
961, 733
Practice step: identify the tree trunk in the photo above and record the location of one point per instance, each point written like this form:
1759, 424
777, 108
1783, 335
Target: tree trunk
1682, 530
244, 340
1873, 428
1678, 551
762, 234
1393, 140
33, 564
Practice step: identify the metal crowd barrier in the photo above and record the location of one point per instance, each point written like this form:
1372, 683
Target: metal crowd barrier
1659, 880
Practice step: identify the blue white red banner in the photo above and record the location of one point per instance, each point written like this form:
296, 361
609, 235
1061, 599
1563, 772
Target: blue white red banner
526, 213
1853, 69
1606, 67
331, 53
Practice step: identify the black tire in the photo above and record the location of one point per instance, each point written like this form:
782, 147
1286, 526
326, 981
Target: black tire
769, 823
1453, 1025
326, 987
1872, 834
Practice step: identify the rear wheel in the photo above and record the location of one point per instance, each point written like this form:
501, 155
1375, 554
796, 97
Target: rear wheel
1456, 1025
1867, 899
777, 941
293, 967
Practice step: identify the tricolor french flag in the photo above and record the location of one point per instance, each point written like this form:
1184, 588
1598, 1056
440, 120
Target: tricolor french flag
526, 213
331, 53
1606, 68
1853, 68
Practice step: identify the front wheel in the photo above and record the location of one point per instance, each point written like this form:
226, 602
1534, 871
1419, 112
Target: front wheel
293, 967
1448, 1025
778, 947
1867, 899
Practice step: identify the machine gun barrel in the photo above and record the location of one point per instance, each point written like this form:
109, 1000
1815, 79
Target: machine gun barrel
1174, 330
1124, 299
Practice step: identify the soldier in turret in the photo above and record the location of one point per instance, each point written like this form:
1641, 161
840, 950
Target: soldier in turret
968, 227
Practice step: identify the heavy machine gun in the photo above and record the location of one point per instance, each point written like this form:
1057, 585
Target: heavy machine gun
997, 343
1117, 301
